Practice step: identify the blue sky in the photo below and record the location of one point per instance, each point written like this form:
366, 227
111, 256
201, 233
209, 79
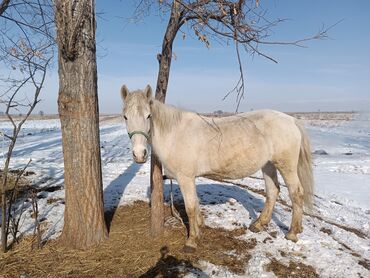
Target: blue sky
331, 74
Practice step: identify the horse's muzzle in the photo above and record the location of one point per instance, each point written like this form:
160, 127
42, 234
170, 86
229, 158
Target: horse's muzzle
140, 158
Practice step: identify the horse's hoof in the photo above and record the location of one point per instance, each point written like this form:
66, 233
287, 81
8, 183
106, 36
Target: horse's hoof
256, 227
189, 249
291, 236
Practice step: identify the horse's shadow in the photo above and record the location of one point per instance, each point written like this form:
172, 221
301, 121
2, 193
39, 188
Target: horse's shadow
114, 191
215, 193
170, 266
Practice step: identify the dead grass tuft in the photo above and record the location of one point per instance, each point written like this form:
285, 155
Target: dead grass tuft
365, 263
326, 231
294, 270
23, 183
55, 200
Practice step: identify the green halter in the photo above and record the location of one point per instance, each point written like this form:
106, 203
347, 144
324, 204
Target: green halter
146, 135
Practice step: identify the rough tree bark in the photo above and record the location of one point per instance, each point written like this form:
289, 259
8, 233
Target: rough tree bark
84, 224
156, 180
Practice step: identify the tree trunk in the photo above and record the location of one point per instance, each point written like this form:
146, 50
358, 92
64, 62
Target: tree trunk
84, 224
4, 208
4, 234
156, 180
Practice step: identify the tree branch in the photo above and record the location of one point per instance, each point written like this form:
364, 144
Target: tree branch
3, 6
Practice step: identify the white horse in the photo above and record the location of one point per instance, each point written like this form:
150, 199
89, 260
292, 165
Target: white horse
190, 145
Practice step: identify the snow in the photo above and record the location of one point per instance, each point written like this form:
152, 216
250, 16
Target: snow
342, 180
344, 174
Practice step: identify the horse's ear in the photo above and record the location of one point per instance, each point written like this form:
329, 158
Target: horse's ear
148, 91
124, 92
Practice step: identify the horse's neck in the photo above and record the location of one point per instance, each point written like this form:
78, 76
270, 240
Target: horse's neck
165, 121
165, 118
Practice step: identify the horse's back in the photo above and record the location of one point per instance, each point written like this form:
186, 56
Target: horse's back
280, 130
232, 147
275, 133
270, 121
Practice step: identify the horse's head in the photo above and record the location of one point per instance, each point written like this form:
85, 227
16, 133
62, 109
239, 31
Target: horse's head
136, 112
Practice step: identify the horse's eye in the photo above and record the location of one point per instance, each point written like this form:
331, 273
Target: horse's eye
125, 117
149, 116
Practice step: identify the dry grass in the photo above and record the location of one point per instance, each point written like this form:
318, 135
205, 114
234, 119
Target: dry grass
293, 270
129, 252
22, 186
12, 177
365, 263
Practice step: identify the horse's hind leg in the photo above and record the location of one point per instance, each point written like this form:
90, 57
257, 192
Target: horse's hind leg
188, 190
295, 189
272, 191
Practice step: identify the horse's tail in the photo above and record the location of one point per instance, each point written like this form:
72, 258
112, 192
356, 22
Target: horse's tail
305, 168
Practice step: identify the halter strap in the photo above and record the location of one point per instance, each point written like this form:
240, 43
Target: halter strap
146, 135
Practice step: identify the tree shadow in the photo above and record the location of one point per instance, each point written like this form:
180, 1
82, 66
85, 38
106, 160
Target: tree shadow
114, 191
48, 143
43, 145
170, 267
215, 194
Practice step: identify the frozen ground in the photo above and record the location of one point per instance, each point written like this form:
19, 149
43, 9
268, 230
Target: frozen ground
336, 243
344, 173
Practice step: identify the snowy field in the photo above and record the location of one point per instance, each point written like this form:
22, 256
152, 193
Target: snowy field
336, 244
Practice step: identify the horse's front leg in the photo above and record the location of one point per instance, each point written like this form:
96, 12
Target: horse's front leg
187, 187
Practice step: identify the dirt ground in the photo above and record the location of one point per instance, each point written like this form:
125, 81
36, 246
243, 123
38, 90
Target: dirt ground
131, 252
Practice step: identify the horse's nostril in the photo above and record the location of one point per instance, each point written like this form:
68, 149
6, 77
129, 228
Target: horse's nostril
145, 153
133, 154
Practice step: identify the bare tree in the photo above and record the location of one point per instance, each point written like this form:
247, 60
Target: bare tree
26, 40
84, 223
239, 22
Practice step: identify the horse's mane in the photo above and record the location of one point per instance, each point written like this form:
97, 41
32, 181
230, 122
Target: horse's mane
165, 117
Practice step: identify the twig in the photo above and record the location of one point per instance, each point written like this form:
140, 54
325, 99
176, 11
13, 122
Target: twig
174, 211
12, 200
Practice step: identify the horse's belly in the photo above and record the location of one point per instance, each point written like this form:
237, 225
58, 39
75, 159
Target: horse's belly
236, 167
233, 171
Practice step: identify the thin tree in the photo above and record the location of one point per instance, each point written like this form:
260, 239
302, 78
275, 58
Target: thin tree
84, 223
240, 22
26, 49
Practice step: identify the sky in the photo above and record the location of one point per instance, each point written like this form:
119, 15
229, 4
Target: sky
327, 75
